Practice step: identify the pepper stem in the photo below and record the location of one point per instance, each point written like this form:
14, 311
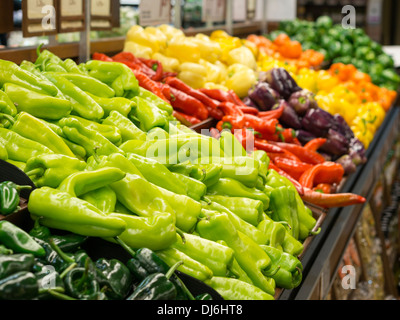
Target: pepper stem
274, 272
125, 246
8, 117
68, 269
173, 269
181, 234
35, 172
39, 48
60, 296
187, 291
62, 254
314, 233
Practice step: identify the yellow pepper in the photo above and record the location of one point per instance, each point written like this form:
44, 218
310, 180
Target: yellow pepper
183, 49
214, 71
137, 34
212, 85
325, 81
169, 64
138, 50
242, 55
209, 50
170, 32
159, 35
252, 46
193, 74
240, 79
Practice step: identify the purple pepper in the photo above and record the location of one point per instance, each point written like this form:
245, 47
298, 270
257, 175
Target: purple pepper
263, 96
347, 163
335, 144
342, 127
289, 117
302, 100
317, 122
248, 102
281, 81
304, 136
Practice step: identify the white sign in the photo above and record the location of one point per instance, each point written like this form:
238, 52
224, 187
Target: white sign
153, 12
277, 10
239, 10
71, 8
35, 8
213, 10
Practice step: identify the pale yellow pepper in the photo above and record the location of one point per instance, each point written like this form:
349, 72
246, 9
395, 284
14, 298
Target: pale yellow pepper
159, 35
183, 49
209, 50
170, 31
138, 50
137, 34
242, 55
169, 64
240, 79
193, 74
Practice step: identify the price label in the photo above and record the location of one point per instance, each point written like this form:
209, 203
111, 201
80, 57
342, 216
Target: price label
154, 12
39, 17
101, 8
35, 8
71, 8
213, 10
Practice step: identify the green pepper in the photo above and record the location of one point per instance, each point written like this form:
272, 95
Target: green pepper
10, 197
103, 198
115, 278
157, 173
249, 210
247, 253
110, 132
21, 285
262, 157
11, 73
119, 104
275, 231
190, 266
18, 240
89, 84
19, 164
117, 75
70, 66
391, 75
156, 286
48, 61
289, 275
13, 263
4, 250
233, 188
48, 279
234, 289
77, 150
89, 139
151, 97
230, 145
284, 208
190, 170
29, 127
210, 253
148, 114
324, 22
157, 232
3, 152
51, 169
204, 297
129, 131
6, 105
291, 245
82, 103
385, 60
195, 189
62, 211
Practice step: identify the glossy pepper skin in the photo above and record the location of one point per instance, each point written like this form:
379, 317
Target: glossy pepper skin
151, 97
20, 148
9, 197
129, 131
29, 126
18, 240
119, 104
21, 285
275, 231
51, 169
194, 189
6, 105
62, 211
103, 198
148, 114
13, 263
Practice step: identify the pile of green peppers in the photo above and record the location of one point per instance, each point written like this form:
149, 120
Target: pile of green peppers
40, 265
348, 46
110, 161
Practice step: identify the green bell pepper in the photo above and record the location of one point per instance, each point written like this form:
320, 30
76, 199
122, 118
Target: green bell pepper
10, 197
21, 285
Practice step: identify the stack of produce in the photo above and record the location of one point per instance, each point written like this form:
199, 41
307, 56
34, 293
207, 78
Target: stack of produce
109, 163
347, 46
218, 61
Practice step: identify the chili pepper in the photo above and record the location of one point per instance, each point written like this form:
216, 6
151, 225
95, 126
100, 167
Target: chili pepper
10, 197
148, 114
6, 105
145, 262
249, 210
48, 279
157, 232
129, 131
19, 164
185, 119
62, 211
327, 172
297, 185
211, 254
103, 198
231, 145
101, 57
116, 277
28, 126
13, 263
70, 66
89, 84
188, 104
305, 155
5, 251
188, 169
82, 182
236, 272
11, 73
293, 168
120, 104
275, 113
48, 61
323, 187
332, 200
81, 102
37, 104
190, 266
76, 149
248, 254
156, 66
232, 188
275, 231
289, 275
156, 286
150, 85
261, 125
284, 208
315, 144
160, 103
19, 286
88, 138
194, 188
267, 147
117, 75
234, 289
217, 94
18, 240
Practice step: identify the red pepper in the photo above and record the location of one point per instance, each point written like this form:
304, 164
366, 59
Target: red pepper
272, 114
230, 109
185, 119
261, 125
217, 94
156, 66
296, 184
303, 154
267, 147
101, 57
235, 99
134, 63
215, 133
147, 83
331, 200
294, 168
323, 187
315, 144
327, 172
250, 110
187, 104
246, 139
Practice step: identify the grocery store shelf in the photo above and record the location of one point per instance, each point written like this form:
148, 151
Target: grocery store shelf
325, 253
